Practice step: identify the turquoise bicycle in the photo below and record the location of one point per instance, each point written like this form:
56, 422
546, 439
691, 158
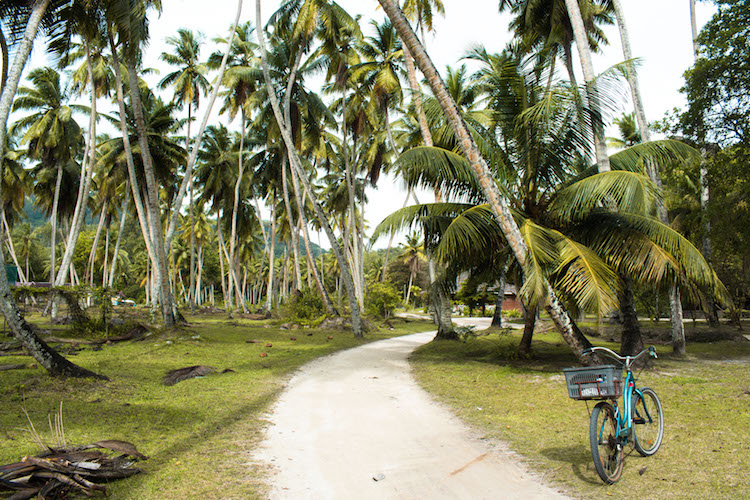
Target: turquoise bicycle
639, 421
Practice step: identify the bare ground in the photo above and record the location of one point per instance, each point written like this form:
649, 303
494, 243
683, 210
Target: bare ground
356, 425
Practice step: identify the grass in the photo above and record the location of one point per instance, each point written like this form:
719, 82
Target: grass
199, 433
706, 448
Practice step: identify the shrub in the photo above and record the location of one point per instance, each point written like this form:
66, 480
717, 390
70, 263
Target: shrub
383, 298
306, 307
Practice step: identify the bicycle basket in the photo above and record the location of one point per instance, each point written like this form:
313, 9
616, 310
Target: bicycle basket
595, 382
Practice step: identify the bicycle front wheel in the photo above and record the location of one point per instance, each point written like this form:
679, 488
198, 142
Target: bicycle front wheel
648, 422
605, 448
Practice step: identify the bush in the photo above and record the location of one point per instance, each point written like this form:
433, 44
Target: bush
383, 298
511, 313
305, 307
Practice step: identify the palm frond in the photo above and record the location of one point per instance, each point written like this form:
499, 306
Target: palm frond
627, 191
655, 153
429, 167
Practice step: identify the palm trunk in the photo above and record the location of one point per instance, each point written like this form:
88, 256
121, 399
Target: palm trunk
12, 250
524, 347
694, 28
631, 342
271, 259
497, 316
292, 224
89, 273
236, 202
219, 239
106, 256
192, 289
584, 51
53, 223
139, 208
353, 227
160, 263
87, 175
441, 302
355, 311
311, 258
121, 230
499, 206
640, 115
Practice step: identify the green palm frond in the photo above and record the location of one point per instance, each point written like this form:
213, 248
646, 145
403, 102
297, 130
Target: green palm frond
542, 256
627, 191
428, 167
432, 217
651, 252
656, 153
587, 278
470, 237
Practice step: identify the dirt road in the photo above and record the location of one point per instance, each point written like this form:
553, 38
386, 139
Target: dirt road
355, 425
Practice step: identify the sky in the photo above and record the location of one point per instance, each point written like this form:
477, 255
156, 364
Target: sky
659, 31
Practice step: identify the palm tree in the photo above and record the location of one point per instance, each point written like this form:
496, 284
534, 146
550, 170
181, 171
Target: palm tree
413, 253
42, 353
189, 81
131, 27
53, 136
497, 203
302, 175
87, 22
240, 80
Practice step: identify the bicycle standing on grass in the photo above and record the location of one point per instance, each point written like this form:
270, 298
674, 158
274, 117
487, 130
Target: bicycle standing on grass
639, 421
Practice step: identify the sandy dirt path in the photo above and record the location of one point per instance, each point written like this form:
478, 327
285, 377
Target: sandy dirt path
355, 425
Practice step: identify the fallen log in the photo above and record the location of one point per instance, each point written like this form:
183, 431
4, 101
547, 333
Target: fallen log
12, 367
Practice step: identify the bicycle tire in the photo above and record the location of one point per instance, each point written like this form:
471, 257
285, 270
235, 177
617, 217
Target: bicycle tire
606, 451
648, 422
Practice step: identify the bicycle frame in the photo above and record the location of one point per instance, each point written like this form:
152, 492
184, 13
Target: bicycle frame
625, 418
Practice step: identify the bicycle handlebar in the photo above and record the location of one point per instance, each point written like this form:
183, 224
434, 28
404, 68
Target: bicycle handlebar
625, 359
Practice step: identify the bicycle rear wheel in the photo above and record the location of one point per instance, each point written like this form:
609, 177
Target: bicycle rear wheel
605, 449
648, 422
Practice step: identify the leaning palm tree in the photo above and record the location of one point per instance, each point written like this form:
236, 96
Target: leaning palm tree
495, 199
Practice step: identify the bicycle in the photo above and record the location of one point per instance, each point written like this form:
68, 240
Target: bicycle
610, 429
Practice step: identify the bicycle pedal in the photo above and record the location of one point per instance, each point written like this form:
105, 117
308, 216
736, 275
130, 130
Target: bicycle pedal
639, 420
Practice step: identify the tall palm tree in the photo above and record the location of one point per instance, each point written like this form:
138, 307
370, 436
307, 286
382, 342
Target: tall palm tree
413, 253
189, 82
53, 136
240, 79
42, 353
131, 27
87, 22
497, 203
303, 177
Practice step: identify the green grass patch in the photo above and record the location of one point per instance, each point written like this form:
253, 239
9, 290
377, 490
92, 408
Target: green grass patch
706, 448
199, 433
